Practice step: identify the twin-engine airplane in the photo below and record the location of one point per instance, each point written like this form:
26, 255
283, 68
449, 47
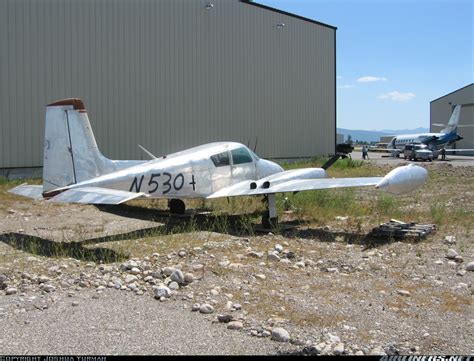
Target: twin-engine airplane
74, 170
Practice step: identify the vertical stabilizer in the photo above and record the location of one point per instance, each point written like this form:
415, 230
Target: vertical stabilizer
453, 121
71, 154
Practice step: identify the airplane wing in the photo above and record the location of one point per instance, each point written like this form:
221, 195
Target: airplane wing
95, 195
458, 150
398, 181
30, 191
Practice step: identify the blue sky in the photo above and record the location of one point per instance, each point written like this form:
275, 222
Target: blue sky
394, 56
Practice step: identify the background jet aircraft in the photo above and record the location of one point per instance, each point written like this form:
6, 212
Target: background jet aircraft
74, 170
434, 141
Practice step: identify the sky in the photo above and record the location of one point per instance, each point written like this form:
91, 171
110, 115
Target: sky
394, 56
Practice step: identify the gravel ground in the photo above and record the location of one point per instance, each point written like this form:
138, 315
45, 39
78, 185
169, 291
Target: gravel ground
121, 323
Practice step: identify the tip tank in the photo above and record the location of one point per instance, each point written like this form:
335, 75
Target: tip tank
403, 179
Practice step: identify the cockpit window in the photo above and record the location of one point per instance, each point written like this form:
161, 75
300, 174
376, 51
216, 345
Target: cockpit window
241, 155
221, 159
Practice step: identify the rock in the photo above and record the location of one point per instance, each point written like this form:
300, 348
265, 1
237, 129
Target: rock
459, 259
196, 307
279, 248
162, 291
225, 318
75, 303
237, 306
235, 325
182, 253
451, 254
11, 291
332, 270
266, 333
43, 279
450, 240
338, 349
404, 293
279, 334
254, 254
272, 256
47, 287
167, 271
173, 285
438, 262
206, 308
128, 265
177, 276
135, 271
332, 338
188, 278
300, 264
470, 266
130, 279
157, 275
260, 276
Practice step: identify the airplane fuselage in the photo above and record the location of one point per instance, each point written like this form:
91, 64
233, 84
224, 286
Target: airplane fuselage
194, 173
434, 141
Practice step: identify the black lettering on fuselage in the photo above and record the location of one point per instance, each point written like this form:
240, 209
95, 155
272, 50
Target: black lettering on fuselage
136, 184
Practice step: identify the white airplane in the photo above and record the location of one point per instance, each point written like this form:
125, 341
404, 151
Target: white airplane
434, 141
74, 170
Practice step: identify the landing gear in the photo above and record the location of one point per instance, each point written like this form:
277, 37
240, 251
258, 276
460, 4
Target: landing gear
270, 215
176, 206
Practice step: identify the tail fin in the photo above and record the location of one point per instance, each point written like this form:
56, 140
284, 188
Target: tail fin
71, 154
453, 121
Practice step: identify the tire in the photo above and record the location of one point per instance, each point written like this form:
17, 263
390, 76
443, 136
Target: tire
177, 206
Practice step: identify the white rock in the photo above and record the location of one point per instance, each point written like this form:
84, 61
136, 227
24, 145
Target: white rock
235, 325
173, 285
332, 270
272, 256
300, 264
470, 266
237, 306
196, 307
260, 276
438, 262
130, 278
206, 308
332, 338
11, 291
451, 254
43, 279
182, 253
188, 278
450, 240
279, 248
135, 271
75, 303
403, 293
338, 349
162, 291
280, 334
167, 271
47, 287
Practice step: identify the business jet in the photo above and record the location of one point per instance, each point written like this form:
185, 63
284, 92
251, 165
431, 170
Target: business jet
75, 171
434, 141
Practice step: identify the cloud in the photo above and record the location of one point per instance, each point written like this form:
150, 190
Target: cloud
370, 79
346, 86
339, 77
397, 96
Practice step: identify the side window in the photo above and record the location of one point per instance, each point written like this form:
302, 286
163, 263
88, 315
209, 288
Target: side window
221, 159
241, 155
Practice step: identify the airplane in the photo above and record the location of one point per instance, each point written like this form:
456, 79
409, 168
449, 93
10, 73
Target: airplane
75, 171
434, 141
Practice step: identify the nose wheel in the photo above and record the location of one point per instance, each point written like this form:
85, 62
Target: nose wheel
176, 206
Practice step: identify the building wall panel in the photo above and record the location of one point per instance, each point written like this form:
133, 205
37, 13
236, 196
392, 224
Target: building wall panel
167, 74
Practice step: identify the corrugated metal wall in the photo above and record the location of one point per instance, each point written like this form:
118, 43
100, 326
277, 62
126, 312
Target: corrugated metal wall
167, 74
441, 109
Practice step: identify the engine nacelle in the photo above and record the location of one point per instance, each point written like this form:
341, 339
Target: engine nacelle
403, 179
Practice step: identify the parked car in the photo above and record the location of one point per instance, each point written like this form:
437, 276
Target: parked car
417, 152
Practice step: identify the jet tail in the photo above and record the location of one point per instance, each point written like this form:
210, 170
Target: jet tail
452, 126
71, 154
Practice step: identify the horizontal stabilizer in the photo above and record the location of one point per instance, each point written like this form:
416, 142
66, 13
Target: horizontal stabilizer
30, 191
95, 195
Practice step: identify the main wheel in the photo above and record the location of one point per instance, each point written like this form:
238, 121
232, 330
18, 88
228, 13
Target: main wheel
176, 206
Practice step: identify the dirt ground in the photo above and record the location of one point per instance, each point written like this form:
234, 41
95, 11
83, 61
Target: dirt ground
332, 288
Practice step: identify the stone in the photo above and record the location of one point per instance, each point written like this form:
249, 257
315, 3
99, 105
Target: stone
338, 349
279, 248
332, 338
177, 276
254, 254
188, 278
167, 271
470, 266
182, 253
206, 308
47, 287
272, 256
135, 271
130, 279
173, 285
260, 276
225, 318
196, 307
332, 270
404, 293
300, 264
237, 306
11, 291
451, 254
450, 240
162, 291
279, 334
75, 303
43, 279
235, 325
